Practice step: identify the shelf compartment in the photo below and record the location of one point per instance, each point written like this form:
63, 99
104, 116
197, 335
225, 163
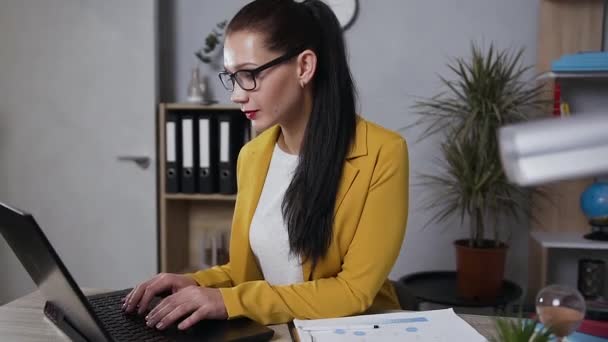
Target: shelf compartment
185, 223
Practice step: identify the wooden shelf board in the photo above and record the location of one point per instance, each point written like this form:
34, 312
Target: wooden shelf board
194, 106
579, 75
201, 197
567, 240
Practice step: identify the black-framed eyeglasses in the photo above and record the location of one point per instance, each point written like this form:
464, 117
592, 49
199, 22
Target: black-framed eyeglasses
246, 78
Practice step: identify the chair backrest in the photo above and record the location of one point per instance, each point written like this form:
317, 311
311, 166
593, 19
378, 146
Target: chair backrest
407, 300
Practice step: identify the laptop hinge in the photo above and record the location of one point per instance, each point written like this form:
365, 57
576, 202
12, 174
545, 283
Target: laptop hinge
56, 315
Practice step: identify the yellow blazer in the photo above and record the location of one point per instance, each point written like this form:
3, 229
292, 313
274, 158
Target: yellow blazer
369, 226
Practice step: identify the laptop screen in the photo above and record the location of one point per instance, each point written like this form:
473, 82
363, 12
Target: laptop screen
40, 260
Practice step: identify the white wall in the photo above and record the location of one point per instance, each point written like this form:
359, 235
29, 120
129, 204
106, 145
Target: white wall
397, 61
77, 89
397, 48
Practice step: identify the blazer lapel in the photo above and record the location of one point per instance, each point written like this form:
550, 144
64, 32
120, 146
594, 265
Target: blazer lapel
349, 172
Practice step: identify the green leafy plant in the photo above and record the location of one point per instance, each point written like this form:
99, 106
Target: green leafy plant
213, 40
487, 92
520, 330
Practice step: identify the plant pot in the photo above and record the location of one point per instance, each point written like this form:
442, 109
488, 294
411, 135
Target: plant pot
480, 270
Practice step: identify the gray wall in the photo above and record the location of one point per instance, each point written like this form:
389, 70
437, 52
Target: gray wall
397, 48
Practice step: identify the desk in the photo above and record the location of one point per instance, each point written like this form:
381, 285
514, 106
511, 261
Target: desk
23, 320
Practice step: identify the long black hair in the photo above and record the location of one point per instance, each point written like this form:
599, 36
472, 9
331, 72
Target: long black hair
309, 202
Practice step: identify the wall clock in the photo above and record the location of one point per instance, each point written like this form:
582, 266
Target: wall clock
345, 10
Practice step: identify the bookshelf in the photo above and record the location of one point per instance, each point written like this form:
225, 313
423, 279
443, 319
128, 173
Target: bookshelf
565, 27
184, 219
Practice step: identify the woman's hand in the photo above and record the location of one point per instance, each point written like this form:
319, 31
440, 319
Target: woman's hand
143, 293
198, 302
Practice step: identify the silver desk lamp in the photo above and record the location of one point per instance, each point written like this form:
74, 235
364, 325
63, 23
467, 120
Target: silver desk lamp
554, 149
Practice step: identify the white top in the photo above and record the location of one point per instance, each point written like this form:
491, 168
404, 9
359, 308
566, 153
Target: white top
573, 240
268, 232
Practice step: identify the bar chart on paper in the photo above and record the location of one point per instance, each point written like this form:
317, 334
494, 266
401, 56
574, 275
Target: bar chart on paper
431, 326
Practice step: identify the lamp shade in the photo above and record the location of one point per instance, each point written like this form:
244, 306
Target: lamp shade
554, 149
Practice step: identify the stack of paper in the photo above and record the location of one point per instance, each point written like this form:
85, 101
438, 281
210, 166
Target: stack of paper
435, 326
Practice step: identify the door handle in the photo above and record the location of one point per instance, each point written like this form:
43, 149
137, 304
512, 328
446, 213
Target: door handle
141, 161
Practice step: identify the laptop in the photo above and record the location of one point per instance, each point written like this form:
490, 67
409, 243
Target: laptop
99, 317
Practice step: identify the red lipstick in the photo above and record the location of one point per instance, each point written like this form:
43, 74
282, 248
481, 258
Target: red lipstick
250, 114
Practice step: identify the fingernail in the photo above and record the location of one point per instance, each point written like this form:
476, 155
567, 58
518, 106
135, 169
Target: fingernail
159, 325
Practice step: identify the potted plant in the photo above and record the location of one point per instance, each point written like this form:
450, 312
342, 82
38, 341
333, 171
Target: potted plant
212, 42
197, 88
486, 93
520, 330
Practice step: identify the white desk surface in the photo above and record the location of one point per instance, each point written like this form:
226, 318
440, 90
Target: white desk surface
571, 240
22, 320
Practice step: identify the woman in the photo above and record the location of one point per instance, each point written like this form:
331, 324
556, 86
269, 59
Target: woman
322, 193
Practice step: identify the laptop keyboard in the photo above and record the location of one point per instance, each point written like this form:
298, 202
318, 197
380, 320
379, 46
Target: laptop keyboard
122, 326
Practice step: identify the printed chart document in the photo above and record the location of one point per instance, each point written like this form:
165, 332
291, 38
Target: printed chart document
431, 326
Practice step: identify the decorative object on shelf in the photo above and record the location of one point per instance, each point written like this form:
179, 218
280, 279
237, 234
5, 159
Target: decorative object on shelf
196, 88
345, 10
561, 309
470, 183
582, 62
594, 204
591, 274
208, 54
214, 248
585, 65
213, 43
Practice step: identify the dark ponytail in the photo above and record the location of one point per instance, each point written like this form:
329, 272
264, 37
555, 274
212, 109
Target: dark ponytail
310, 200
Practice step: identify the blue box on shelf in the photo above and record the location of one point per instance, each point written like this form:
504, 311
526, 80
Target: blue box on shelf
581, 62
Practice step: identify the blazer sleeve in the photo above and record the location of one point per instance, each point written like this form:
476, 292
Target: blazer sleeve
217, 276
221, 276
366, 266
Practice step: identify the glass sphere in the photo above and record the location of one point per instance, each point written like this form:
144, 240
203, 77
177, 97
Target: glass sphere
560, 308
594, 201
